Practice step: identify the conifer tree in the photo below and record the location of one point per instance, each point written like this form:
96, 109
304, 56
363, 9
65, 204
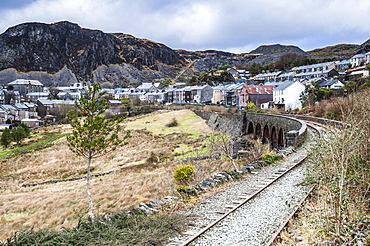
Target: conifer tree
6, 138
93, 134
18, 134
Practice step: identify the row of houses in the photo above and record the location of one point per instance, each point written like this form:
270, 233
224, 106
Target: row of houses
281, 89
307, 72
286, 95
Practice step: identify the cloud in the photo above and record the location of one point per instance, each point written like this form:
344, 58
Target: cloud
233, 25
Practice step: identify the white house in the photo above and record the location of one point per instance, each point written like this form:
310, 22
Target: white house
286, 96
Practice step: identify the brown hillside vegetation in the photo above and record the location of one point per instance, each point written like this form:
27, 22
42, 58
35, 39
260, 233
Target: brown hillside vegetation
339, 211
340, 51
141, 173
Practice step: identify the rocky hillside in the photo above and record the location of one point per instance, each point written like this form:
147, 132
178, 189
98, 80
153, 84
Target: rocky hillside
278, 49
63, 53
52, 48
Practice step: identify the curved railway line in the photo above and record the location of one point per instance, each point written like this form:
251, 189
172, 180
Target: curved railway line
259, 207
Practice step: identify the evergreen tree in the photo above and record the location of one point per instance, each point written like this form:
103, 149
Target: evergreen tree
26, 129
93, 135
6, 138
18, 134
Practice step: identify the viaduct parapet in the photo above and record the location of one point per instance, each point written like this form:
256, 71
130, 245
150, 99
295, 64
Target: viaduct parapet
278, 130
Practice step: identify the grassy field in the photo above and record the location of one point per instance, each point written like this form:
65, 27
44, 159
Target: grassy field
141, 172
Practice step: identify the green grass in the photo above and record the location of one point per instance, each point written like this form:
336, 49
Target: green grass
184, 151
46, 140
187, 123
271, 159
14, 215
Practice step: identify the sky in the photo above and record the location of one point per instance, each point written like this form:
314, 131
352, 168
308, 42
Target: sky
237, 26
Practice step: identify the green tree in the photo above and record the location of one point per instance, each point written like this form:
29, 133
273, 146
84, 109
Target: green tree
256, 68
18, 134
193, 81
26, 129
93, 135
350, 86
324, 94
6, 138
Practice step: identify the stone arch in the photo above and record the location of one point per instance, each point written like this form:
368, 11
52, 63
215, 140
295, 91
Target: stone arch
258, 130
274, 138
250, 128
266, 134
281, 139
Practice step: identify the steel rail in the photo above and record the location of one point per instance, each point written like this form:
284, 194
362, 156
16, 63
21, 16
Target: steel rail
284, 224
256, 193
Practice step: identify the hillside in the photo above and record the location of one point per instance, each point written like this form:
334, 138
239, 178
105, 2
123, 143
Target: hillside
340, 51
52, 48
140, 172
64, 53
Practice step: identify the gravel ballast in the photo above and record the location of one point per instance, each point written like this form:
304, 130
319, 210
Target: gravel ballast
258, 219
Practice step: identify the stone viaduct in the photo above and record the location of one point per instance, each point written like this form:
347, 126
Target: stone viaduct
278, 130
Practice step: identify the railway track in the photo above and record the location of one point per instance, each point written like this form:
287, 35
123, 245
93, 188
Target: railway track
256, 210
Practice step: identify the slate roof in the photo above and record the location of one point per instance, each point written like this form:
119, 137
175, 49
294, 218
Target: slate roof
358, 56
324, 64
21, 106
284, 85
52, 102
343, 62
25, 82
145, 86
8, 107
328, 82
271, 74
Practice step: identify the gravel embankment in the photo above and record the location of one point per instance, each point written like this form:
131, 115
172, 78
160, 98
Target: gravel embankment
257, 220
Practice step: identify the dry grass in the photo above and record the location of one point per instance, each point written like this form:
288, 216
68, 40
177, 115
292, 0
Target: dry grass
342, 174
134, 180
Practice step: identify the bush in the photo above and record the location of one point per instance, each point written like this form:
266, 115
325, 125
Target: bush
181, 188
251, 105
173, 123
271, 158
183, 173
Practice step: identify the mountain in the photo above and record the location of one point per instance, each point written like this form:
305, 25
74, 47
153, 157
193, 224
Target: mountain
278, 49
66, 47
63, 53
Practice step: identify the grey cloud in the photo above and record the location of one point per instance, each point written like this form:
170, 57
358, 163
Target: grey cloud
235, 25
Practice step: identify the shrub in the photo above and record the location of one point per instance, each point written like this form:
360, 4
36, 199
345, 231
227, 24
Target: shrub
271, 158
183, 173
173, 123
251, 105
181, 188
